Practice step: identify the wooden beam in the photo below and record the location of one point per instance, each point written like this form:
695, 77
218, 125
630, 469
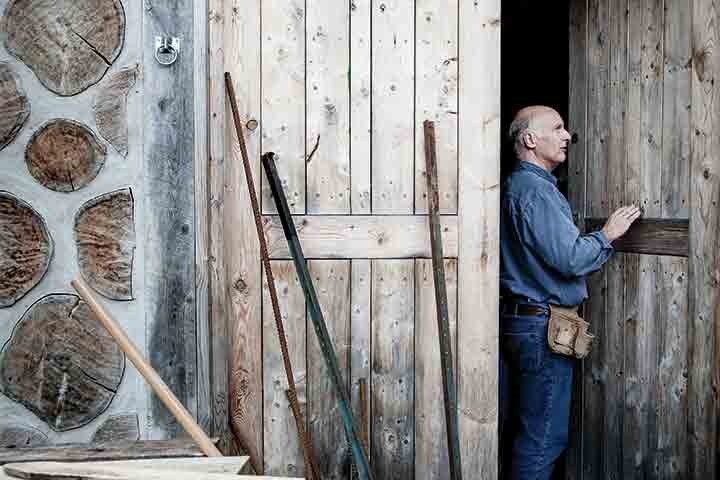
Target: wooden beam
653, 236
375, 236
183, 447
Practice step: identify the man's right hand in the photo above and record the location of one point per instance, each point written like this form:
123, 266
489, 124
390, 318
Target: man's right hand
620, 221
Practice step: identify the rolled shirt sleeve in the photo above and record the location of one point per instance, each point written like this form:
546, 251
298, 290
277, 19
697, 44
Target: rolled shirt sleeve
545, 225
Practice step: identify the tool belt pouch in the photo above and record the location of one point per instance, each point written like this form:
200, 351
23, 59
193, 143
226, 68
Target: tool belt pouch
568, 333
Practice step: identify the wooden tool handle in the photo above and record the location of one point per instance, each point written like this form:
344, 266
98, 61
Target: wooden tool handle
149, 373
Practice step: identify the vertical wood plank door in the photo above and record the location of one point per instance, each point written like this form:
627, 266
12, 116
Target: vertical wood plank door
642, 83
344, 88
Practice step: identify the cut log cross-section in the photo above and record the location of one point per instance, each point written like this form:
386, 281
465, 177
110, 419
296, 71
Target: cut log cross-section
105, 240
14, 105
26, 248
111, 109
64, 155
60, 363
21, 436
68, 45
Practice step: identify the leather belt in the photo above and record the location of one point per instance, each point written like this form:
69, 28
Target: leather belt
522, 309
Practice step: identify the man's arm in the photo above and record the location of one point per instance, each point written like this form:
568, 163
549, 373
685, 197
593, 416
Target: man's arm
545, 229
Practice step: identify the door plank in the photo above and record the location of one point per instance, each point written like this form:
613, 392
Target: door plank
392, 369
360, 101
431, 448
392, 112
360, 337
436, 64
283, 454
283, 98
328, 107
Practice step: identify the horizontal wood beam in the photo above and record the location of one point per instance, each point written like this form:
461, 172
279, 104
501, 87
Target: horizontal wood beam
653, 236
362, 236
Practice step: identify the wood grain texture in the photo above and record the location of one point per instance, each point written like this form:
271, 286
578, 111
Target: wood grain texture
60, 363
436, 98
360, 337
169, 237
283, 453
577, 160
393, 157
359, 236
110, 107
243, 282
654, 236
283, 97
68, 46
232, 464
21, 436
479, 251
105, 243
14, 105
360, 104
332, 283
217, 130
704, 260
27, 248
431, 449
393, 384
123, 450
118, 427
64, 155
328, 107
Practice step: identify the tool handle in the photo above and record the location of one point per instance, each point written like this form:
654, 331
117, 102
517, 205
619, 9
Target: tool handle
149, 374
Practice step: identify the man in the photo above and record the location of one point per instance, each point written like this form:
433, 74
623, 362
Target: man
543, 261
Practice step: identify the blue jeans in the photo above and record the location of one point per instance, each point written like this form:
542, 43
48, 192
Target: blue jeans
535, 390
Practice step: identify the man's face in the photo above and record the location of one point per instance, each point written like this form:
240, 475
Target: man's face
551, 138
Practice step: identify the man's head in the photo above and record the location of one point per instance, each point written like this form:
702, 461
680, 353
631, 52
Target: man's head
539, 136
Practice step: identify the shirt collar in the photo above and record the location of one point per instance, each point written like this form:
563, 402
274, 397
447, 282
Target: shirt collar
539, 171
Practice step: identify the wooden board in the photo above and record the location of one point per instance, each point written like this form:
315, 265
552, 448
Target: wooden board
332, 283
328, 107
704, 286
436, 73
233, 465
283, 455
392, 116
478, 255
360, 335
431, 448
169, 237
360, 105
359, 236
150, 449
283, 98
654, 236
393, 384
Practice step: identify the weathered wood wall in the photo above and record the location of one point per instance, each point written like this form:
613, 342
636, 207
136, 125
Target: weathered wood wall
642, 105
116, 188
339, 91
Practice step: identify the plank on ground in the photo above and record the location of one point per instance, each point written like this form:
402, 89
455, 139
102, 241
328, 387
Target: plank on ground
234, 465
332, 283
392, 368
283, 454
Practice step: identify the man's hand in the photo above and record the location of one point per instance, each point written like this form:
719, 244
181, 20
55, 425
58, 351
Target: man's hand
620, 221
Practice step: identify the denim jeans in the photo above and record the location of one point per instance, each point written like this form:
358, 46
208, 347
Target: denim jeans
535, 389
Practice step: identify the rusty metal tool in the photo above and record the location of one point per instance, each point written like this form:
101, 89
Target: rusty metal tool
441, 304
311, 468
313, 305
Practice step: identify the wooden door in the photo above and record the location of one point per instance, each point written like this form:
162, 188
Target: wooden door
642, 105
339, 91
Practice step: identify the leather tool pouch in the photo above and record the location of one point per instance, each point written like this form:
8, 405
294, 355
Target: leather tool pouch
568, 333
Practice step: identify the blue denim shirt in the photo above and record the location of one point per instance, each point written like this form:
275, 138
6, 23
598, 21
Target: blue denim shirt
543, 256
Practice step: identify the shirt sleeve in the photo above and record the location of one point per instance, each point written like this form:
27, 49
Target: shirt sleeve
545, 229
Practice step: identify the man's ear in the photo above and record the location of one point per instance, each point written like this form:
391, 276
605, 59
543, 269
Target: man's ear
529, 140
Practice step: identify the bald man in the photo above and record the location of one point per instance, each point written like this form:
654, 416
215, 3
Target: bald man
544, 260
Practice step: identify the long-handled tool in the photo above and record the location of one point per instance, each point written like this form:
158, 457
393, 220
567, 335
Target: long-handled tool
441, 304
311, 468
149, 374
311, 299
